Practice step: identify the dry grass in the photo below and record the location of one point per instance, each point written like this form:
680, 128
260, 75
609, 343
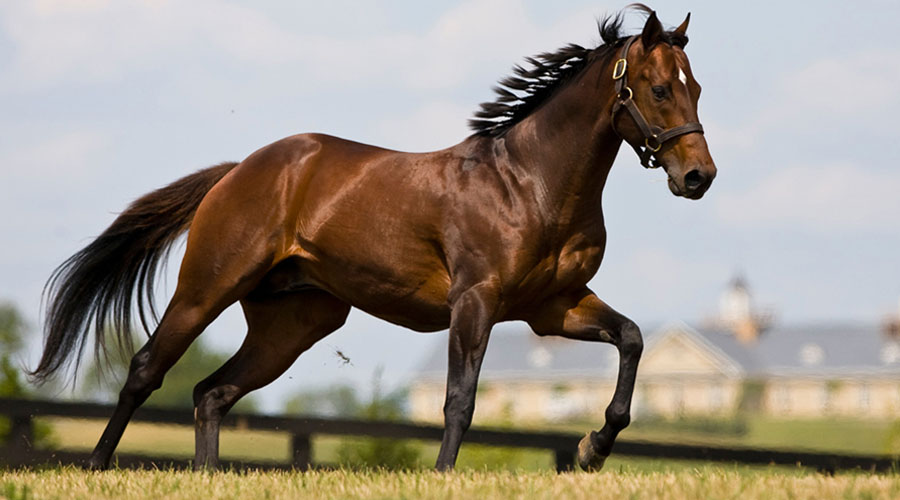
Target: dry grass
265, 446
171, 440
707, 482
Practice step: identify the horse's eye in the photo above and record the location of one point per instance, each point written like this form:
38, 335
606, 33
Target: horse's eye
660, 92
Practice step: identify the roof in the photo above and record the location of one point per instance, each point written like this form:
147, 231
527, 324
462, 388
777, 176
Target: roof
826, 349
806, 350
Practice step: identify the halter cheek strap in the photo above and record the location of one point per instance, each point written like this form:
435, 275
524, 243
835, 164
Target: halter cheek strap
654, 137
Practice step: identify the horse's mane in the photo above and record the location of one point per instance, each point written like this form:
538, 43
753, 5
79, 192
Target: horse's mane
528, 88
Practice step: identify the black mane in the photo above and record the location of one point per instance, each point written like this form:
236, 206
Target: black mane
522, 93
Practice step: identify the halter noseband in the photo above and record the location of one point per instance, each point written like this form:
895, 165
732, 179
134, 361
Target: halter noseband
654, 137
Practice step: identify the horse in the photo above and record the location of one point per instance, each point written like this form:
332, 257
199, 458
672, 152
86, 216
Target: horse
506, 225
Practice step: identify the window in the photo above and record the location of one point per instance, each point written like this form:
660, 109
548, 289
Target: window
783, 398
716, 397
677, 399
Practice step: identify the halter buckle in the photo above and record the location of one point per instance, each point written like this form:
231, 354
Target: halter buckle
656, 140
619, 69
630, 94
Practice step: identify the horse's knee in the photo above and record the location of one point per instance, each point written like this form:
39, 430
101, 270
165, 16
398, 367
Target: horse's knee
631, 342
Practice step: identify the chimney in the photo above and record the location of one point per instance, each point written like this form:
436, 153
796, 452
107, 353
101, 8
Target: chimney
746, 331
734, 305
738, 314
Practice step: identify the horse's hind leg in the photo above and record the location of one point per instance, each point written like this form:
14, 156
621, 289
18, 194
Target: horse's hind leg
281, 328
179, 327
211, 279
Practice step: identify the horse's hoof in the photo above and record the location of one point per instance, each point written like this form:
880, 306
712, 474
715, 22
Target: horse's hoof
588, 458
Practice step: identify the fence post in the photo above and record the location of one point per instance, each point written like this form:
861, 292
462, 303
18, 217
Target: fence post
20, 439
302, 450
565, 460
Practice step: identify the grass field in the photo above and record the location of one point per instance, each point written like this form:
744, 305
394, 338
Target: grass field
508, 473
699, 483
178, 441
833, 436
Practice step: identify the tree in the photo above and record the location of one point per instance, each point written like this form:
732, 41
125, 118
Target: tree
12, 329
12, 385
338, 400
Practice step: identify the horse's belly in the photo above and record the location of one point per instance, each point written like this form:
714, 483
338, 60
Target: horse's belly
421, 308
408, 292
415, 314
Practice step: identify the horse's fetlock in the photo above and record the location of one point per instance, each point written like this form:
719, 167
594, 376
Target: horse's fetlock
618, 416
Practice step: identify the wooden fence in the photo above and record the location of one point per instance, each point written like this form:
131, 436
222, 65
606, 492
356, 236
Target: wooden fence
18, 450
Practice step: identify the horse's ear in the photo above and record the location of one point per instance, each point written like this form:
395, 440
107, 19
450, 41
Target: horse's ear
653, 31
682, 29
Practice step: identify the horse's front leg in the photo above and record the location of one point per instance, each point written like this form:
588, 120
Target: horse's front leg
473, 313
583, 316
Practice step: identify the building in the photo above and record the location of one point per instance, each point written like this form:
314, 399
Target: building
739, 361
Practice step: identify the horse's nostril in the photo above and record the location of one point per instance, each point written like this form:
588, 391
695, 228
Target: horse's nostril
694, 179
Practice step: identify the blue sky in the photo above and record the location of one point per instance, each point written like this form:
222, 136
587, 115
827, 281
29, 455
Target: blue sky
105, 100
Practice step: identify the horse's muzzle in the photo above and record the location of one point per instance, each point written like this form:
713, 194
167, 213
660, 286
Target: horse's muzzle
693, 185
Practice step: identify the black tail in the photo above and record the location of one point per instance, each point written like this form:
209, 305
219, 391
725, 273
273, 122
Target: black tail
95, 289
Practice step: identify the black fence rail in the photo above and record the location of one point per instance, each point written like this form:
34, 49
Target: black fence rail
19, 451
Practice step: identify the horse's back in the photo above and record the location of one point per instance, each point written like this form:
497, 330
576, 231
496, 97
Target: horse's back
315, 206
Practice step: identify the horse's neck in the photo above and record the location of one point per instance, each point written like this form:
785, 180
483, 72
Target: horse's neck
569, 145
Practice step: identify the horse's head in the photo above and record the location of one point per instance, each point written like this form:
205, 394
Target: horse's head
656, 107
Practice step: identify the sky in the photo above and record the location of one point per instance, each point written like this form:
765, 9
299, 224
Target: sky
102, 101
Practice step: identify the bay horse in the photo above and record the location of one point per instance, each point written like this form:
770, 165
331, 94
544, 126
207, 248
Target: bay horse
506, 225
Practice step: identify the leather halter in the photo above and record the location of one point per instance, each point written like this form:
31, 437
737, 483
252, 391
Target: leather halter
654, 137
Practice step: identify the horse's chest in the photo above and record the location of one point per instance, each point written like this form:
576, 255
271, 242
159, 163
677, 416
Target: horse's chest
577, 264
569, 266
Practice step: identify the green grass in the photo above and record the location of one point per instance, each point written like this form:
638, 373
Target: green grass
832, 435
698, 483
840, 435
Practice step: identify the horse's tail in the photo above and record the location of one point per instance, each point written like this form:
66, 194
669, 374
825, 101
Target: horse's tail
95, 289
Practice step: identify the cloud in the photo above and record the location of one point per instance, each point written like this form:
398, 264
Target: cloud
862, 82
59, 158
857, 89
487, 33
430, 126
723, 136
677, 286
822, 198
60, 43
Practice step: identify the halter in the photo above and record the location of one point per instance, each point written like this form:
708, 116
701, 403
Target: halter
654, 137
